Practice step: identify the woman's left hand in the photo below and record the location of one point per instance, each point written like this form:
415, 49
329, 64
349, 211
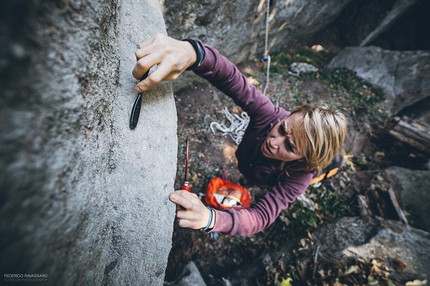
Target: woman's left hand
171, 56
194, 214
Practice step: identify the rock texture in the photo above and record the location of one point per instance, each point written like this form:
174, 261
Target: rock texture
190, 276
363, 21
238, 28
371, 238
404, 76
413, 187
349, 237
83, 199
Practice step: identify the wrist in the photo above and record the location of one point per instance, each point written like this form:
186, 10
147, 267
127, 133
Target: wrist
199, 52
211, 220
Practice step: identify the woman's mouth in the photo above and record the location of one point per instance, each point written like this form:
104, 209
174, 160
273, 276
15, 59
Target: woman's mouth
266, 148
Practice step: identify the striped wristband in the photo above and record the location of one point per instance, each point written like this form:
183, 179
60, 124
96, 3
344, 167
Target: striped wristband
200, 53
210, 219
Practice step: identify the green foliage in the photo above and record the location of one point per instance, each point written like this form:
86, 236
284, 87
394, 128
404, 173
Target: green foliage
328, 206
304, 217
281, 59
349, 81
359, 99
280, 62
332, 206
310, 56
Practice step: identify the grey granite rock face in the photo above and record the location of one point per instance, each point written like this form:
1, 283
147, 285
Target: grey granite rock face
83, 199
349, 237
404, 76
361, 22
371, 238
238, 28
412, 187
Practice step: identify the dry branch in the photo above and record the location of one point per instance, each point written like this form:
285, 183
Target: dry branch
413, 132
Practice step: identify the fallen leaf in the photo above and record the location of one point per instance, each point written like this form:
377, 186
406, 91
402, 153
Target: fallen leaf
416, 282
400, 265
286, 282
351, 269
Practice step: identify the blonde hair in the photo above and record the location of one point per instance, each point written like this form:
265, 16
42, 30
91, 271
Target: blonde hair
318, 134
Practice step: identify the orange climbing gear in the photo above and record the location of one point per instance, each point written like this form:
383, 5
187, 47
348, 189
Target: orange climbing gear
221, 193
331, 170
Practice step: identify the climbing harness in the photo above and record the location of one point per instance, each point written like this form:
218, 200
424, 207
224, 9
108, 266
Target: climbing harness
238, 125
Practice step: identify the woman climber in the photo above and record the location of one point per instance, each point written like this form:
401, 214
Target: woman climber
281, 150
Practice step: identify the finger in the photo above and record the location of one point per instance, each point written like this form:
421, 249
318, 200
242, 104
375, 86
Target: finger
186, 223
157, 43
192, 197
167, 69
150, 82
144, 64
187, 215
162, 73
147, 42
178, 198
148, 49
195, 220
150, 54
194, 214
191, 200
157, 37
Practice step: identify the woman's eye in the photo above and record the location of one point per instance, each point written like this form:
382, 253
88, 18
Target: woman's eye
281, 130
290, 147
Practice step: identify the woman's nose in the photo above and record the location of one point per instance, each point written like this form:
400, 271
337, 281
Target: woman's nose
277, 141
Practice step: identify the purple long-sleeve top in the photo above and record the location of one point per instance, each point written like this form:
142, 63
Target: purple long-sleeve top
283, 188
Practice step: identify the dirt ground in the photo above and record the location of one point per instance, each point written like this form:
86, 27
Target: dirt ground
198, 107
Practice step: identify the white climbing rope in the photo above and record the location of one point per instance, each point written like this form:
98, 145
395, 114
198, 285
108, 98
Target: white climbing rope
240, 123
267, 75
266, 50
237, 128
266, 46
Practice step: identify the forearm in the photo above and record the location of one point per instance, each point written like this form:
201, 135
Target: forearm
225, 76
265, 210
247, 221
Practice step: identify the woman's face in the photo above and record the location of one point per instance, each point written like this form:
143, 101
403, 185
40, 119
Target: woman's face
279, 143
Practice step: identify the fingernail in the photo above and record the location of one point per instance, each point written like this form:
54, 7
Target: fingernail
138, 88
173, 197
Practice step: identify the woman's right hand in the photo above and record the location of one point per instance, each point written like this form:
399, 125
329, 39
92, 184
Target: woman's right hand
193, 214
171, 56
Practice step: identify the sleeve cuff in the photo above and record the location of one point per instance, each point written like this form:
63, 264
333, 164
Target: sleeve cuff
200, 53
223, 222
